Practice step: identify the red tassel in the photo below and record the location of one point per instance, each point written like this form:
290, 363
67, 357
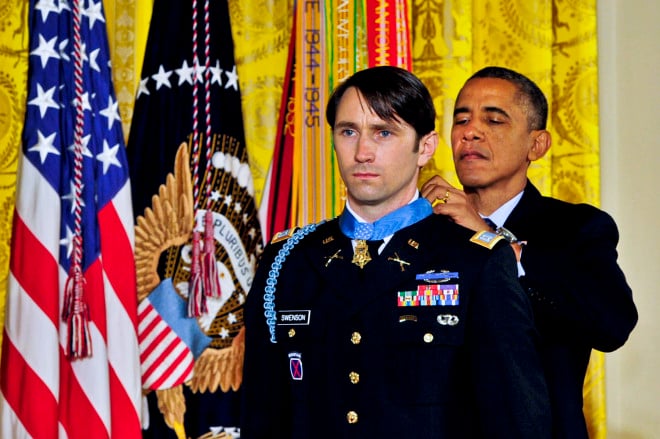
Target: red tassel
196, 299
209, 265
76, 315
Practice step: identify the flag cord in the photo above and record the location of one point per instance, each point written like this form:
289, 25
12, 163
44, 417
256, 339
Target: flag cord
204, 280
75, 312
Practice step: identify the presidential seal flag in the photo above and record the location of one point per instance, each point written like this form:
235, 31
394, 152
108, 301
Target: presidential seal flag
197, 230
70, 366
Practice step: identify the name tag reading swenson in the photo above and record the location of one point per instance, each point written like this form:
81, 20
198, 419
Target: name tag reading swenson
300, 317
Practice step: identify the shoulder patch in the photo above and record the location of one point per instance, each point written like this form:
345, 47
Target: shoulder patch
486, 239
283, 235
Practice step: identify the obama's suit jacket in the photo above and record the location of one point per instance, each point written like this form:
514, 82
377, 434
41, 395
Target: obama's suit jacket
579, 294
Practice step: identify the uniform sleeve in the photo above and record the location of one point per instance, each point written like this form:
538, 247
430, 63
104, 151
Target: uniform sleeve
263, 395
575, 284
510, 388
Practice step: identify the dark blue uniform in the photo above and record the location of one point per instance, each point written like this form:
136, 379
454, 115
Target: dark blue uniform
351, 362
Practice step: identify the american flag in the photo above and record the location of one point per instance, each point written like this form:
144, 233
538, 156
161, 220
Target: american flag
66, 208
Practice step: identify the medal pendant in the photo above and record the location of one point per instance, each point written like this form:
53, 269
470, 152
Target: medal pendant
361, 256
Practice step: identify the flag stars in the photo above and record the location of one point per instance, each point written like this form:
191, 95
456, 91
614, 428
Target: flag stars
228, 199
93, 64
238, 207
252, 233
232, 79
85, 102
44, 100
231, 318
111, 112
224, 333
185, 73
142, 87
198, 71
215, 196
71, 196
109, 156
216, 73
45, 50
94, 13
162, 78
44, 146
46, 7
188, 73
68, 242
91, 59
64, 6
85, 150
62, 50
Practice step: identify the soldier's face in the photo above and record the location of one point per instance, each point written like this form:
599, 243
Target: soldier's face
379, 160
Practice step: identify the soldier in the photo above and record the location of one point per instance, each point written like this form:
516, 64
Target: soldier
389, 321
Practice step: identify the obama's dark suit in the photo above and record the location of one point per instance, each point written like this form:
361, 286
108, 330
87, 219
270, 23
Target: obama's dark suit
579, 294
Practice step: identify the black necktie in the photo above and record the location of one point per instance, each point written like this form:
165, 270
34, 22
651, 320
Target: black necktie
490, 223
374, 246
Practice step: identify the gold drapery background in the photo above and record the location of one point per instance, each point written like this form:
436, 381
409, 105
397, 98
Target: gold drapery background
551, 41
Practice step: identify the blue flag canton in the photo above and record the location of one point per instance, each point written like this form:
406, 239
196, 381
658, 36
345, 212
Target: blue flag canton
50, 120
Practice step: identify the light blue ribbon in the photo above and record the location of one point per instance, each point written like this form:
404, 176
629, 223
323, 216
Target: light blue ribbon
387, 225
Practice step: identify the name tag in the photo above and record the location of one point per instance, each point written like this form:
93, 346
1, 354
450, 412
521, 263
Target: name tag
300, 317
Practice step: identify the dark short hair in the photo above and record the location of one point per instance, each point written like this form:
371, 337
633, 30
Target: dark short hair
392, 93
529, 93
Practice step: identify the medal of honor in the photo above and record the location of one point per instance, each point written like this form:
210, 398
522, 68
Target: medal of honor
361, 256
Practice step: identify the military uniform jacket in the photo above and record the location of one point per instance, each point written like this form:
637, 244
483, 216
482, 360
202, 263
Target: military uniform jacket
349, 362
579, 294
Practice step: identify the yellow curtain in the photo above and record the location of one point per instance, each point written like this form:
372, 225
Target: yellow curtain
13, 93
553, 42
127, 22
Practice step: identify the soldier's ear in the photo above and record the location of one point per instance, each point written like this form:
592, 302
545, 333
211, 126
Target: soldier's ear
427, 145
541, 142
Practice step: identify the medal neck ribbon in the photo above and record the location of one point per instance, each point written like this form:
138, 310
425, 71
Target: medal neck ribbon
389, 224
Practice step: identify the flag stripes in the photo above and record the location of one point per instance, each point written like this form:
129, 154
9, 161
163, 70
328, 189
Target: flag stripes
165, 359
73, 186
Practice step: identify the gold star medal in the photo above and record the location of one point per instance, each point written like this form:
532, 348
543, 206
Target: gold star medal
361, 256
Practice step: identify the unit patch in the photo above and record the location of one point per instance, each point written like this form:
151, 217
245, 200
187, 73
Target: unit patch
296, 366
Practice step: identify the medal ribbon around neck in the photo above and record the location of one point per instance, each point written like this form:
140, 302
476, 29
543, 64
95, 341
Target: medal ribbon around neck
378, 230
387, 225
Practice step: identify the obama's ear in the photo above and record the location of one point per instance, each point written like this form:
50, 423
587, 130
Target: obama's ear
542, 140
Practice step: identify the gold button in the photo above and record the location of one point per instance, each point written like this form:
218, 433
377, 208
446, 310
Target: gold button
292, 332
354, 377
356, 338
428, 337
352, 417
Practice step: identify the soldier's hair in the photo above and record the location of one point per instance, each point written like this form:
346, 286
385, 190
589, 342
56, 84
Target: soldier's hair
392, 93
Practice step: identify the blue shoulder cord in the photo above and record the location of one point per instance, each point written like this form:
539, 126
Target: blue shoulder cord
274, 273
